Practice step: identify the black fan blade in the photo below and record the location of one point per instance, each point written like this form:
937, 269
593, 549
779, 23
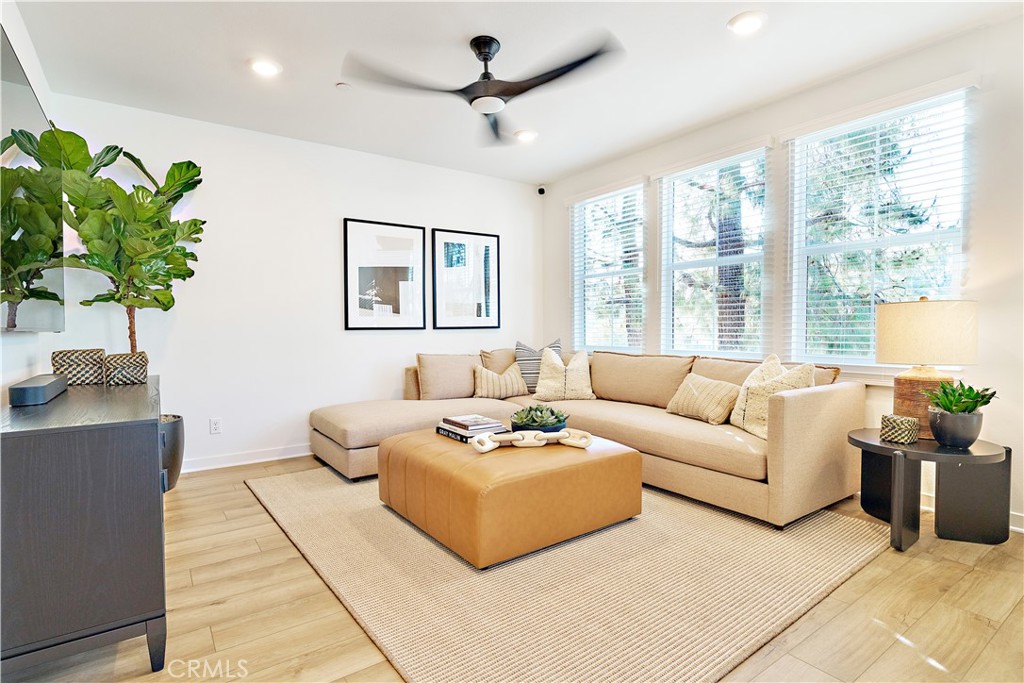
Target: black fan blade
495, 126
357, 68
514, 88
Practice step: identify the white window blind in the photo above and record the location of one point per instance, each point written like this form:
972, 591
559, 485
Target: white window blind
877, 215
713, 224
608, 271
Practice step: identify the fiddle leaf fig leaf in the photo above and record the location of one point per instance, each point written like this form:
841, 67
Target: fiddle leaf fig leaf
121, 200
83, 191
28, 144
43, 185
182, 177
103, 158
64, 149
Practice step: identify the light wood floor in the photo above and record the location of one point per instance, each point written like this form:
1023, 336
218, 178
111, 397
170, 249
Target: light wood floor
239, 595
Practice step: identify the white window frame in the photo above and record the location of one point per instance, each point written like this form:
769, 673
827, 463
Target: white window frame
795, 346
579, 279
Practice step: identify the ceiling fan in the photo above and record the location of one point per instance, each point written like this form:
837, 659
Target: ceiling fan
487, 95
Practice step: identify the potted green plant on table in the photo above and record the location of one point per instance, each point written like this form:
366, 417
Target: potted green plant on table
539, 418
132, 240
953, 415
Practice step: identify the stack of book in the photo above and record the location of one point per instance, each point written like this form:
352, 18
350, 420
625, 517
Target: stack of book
465, 427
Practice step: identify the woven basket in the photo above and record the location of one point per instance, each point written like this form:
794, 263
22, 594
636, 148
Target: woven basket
899, 429
127, 368
80, 366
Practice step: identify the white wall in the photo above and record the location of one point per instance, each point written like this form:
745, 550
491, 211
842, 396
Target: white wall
993, 58
257, 337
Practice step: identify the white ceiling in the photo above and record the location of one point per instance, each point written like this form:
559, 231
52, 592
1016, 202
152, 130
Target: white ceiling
680, 67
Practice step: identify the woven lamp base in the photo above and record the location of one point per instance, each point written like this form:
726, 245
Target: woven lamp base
907, 399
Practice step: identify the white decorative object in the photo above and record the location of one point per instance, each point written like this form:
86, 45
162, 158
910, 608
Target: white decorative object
487, 442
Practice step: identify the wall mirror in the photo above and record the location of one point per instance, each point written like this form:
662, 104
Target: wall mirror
31, 275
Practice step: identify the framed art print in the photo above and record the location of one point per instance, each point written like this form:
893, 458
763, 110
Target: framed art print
385, 269
466, 277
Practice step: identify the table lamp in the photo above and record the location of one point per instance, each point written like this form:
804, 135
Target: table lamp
922, 334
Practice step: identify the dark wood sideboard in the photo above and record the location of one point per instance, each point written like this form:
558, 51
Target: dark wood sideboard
81, 525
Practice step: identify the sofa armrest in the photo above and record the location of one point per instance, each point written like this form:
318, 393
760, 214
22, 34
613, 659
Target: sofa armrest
411, 385
810, 463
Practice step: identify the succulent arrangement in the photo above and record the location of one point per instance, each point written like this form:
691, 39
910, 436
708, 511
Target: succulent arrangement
959, 398
538, 416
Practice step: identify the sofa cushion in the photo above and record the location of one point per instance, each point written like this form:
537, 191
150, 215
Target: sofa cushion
492, 385
751, 412
559, 381
498, 360
366, 423
446, 375
722, 448
736, 371
529, 361
649, 380
709, 400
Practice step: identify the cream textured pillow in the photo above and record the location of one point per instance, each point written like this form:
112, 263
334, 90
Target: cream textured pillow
560, 382
770, 368
492, 385
705, 399
754, 417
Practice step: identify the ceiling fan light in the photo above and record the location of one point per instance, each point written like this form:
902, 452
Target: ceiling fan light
488, 104
745, 23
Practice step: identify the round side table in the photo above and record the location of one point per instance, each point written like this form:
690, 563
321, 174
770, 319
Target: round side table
972, 488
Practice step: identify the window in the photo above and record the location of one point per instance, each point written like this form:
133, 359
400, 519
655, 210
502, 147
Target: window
608, 271
713, 257
877, 216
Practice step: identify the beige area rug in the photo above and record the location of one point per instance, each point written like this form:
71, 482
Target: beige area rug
684, 592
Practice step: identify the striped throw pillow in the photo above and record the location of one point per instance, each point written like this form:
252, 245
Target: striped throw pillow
529, 361
709, 400
492, 385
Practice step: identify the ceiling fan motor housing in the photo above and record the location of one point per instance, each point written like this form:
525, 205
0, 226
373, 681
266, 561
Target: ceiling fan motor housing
485, 47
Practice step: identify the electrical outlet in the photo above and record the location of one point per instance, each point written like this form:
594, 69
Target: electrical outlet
215, 427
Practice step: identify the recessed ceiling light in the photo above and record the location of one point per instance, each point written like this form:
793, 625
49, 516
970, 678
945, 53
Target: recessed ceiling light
342, 85
267, 68
745, 23
526, 136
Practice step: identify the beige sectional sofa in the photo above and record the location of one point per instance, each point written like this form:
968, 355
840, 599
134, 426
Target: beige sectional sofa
804, 464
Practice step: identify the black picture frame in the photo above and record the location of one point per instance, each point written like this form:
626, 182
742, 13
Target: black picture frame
384, 266
466, 272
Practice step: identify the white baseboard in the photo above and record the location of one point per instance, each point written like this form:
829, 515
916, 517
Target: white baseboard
245, 458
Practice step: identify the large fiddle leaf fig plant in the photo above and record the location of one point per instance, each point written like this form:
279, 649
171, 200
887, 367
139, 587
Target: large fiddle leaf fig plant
30, 211
130, 237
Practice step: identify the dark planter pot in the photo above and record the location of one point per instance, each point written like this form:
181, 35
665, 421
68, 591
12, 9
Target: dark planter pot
954, 430
525, 428
172, 446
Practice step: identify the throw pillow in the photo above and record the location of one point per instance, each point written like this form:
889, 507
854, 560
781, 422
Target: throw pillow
755, 414
770, 368
559, 382
705, 399
446, 375
492, 385
498, 360
529, 361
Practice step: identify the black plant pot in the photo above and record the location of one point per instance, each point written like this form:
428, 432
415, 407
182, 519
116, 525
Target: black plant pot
954, 430
172, 446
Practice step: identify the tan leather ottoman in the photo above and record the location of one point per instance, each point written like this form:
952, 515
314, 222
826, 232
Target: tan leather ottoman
509, 502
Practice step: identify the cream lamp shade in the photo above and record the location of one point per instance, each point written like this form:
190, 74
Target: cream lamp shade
924, 333
927, 332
